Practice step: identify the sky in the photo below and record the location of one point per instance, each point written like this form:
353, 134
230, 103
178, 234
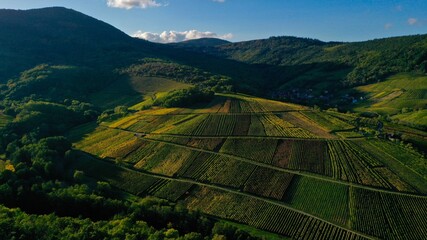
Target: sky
241, 20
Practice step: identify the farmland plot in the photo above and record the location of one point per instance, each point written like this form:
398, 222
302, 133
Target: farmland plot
301, 155
219, 170
258, 149
320, 198
300, 120
165, 159
407, 166
388, 216
348, 165
274, 126
256, 127
173, 190
264, 215
308, 156
207, 125
327, 121
268, 183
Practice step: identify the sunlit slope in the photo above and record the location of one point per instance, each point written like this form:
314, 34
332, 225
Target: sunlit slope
402, 95
274, 166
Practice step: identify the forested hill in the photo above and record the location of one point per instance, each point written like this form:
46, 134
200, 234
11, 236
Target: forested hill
279, 66
202, 42
59, 36
364, 62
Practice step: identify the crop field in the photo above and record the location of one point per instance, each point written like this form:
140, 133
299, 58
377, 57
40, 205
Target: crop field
393, 94
408, 166
300, 120
264, 215
308, 156
388, 216
323, 199
219, 170
301, 155
149, 123
328, 121
104, 140
170, 190
273, 184
281, 168
216, 125
243, 125
235, 125
350, 163
165, 160
262, 150
255, 104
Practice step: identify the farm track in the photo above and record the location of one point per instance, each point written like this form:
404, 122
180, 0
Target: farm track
217, 187
260, 164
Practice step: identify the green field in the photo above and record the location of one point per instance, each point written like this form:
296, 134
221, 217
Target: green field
279, 168
402, 95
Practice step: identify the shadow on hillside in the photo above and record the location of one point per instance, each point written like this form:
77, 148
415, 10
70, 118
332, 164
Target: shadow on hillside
78, 133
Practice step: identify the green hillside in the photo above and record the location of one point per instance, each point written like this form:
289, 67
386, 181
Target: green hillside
365, 61
397, 94
263, 163
313, 72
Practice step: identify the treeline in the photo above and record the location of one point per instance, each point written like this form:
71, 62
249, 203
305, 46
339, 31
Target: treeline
153, 67
185, 97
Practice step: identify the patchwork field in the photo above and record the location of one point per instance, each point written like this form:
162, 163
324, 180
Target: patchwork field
402, 95
278, 167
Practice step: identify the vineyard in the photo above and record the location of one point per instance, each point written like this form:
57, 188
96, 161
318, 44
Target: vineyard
278, 167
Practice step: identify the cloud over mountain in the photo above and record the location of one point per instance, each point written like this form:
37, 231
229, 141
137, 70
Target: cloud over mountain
128, 4
175, 36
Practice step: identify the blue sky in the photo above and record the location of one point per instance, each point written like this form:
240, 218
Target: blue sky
238, 20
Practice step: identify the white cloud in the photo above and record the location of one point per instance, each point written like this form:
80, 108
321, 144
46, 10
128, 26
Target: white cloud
412, 21
128, 4
220, 1
388, 26
175, 36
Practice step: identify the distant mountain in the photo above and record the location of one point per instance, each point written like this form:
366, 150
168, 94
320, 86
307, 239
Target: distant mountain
364, 62
201, 43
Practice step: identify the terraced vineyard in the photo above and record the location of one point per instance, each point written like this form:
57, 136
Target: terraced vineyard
278, 167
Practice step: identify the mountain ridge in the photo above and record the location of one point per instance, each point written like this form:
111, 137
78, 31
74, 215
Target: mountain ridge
267, 67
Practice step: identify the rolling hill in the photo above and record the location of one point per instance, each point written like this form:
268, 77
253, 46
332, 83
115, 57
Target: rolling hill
275, 166
366, 61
